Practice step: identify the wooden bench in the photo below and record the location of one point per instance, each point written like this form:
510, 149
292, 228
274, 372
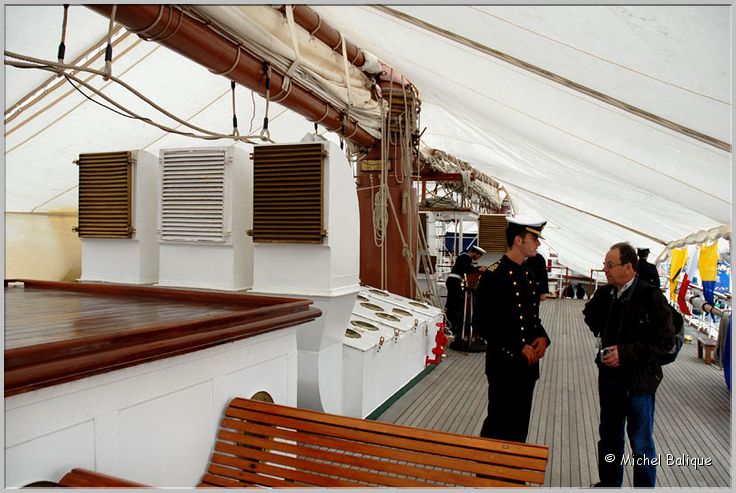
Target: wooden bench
707, 345
264, 444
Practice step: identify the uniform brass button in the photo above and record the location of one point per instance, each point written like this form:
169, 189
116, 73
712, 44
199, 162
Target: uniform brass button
519, 305
521, 317
522, 328
514, 283
517, 293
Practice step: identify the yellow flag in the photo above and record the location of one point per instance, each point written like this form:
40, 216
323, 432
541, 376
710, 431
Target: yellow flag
708, 263
678, 262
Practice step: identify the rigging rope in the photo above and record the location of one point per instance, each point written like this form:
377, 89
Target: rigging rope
236, 133
62, 45
34, 63
108, 50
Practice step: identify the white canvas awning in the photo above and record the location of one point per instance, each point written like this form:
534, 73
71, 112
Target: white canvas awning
596, 169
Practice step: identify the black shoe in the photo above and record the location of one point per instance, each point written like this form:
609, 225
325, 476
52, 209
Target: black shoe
599, 484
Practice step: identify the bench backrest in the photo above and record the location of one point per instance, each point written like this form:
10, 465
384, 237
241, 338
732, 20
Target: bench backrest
264, 444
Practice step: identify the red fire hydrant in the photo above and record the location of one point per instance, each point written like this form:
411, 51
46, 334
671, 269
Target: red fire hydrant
441, 339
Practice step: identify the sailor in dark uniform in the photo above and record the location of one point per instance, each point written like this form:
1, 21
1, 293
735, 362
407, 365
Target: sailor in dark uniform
506, 315
646, 271
455, 304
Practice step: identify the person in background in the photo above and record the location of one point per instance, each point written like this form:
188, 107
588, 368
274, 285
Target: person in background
455, 304
633, 322
568, 292
538, 266
580, 292
647, 271
506, 315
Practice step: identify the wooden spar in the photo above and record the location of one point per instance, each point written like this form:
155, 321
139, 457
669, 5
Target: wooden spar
196, 41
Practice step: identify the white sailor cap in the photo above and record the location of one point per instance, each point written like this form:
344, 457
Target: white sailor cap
477, 249
523, 224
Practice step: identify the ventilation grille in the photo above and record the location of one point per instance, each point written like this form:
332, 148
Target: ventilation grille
193, 195
104, 195
492, 233
287, 193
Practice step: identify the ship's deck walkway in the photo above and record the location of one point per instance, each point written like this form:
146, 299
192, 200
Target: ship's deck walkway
692, 421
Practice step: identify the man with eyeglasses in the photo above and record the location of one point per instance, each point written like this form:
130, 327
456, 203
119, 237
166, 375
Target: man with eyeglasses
506, 315
634, 328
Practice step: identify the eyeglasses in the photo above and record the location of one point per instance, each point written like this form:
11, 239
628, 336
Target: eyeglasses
610, 266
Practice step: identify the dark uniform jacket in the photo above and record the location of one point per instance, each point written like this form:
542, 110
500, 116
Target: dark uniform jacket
538, 266
640, 324
648, 273
506, 315
463, 265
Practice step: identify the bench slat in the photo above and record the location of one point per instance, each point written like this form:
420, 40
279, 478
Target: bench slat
210, 480
253, 434
388, 429
401, 474
406, 444
84, 478
294, 473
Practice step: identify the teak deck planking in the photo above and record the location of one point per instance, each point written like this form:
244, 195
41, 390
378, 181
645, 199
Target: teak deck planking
693, 407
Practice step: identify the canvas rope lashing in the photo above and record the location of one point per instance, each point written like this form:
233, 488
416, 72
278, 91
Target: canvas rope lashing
284, 92
327, 111
156, 36
319, 25
62, 46
176, 30
231, 67
236, 132
108, 49
142, 32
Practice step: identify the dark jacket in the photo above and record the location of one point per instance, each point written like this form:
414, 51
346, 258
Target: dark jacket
506, 315
648, 273
464, 265
538, 266
640, 324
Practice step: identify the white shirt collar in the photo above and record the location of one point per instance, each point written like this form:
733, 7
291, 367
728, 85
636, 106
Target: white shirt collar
625, 287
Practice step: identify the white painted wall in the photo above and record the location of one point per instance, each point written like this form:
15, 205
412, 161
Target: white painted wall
154, 423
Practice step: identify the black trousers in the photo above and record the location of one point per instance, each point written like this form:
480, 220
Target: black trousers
509, 408
455, 305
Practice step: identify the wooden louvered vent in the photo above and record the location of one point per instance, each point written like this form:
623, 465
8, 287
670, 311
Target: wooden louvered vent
288, 193
193, 195
492, 232
105, 195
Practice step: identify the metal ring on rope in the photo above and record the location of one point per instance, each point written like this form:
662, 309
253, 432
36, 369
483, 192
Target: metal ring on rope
176, 29
319, 25
142, 32
232, 67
